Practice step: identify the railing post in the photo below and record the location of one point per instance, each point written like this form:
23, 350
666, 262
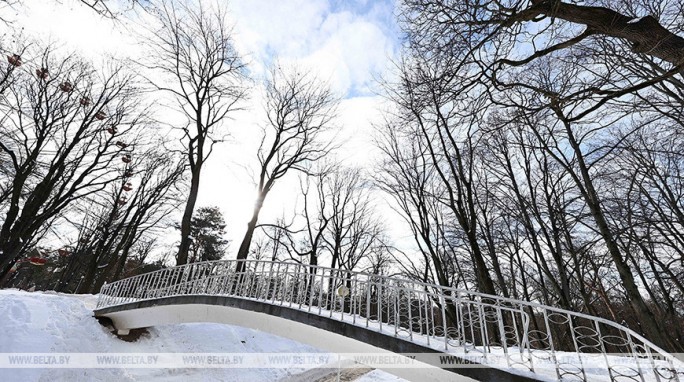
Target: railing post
353, 297
249, 279
576, 346
429, 316
369, 287
301, 285
551, 345
270, 282
632, 349
278, 287
397, 308
420, 312
484, 333
294, 276
380, 300
460, 318
445, 323
310, 288
410, 314
320, 292
603, 350
502, 334
333, 292
390, 303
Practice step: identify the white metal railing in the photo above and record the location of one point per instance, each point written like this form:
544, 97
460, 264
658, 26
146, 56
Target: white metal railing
549, 342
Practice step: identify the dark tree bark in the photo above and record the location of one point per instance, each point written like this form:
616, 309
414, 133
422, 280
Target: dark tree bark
645, 34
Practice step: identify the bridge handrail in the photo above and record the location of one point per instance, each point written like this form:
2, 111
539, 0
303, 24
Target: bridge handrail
454, 308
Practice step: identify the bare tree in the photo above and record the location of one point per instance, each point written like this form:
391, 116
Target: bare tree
314, 215
353, 231
338, 222
269, 246
61, 122
577, 141
194, 53
585, 79
408, 177
110, 9
149, 199
106, 9
112, 222
304, 245
448, 125
647, 207
299, 112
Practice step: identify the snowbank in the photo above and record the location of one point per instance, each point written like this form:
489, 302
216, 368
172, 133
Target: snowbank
59, 323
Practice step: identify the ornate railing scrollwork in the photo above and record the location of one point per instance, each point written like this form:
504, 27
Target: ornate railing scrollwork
507, 333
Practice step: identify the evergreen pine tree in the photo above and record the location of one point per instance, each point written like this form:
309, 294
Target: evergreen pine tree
207, 232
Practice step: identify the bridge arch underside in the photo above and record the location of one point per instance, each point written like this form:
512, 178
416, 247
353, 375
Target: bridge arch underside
320, 332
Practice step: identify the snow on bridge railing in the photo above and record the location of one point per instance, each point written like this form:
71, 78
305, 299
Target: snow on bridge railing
501, 332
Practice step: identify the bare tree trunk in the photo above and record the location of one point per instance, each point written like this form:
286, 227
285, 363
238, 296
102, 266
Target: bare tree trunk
585, 183
243, 251
644, 33
186, 222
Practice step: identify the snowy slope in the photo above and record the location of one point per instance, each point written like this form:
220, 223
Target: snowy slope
59, 323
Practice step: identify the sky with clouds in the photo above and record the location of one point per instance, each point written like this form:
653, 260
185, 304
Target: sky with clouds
348, 43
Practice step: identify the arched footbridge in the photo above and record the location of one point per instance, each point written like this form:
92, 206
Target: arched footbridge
496, 338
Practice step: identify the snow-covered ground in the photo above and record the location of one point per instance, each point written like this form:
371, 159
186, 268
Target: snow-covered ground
63, 324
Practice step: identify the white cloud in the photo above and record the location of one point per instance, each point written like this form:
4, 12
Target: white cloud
344, 47
267, 28
356, 52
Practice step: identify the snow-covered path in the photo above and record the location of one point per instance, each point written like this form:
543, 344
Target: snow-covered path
58, 323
